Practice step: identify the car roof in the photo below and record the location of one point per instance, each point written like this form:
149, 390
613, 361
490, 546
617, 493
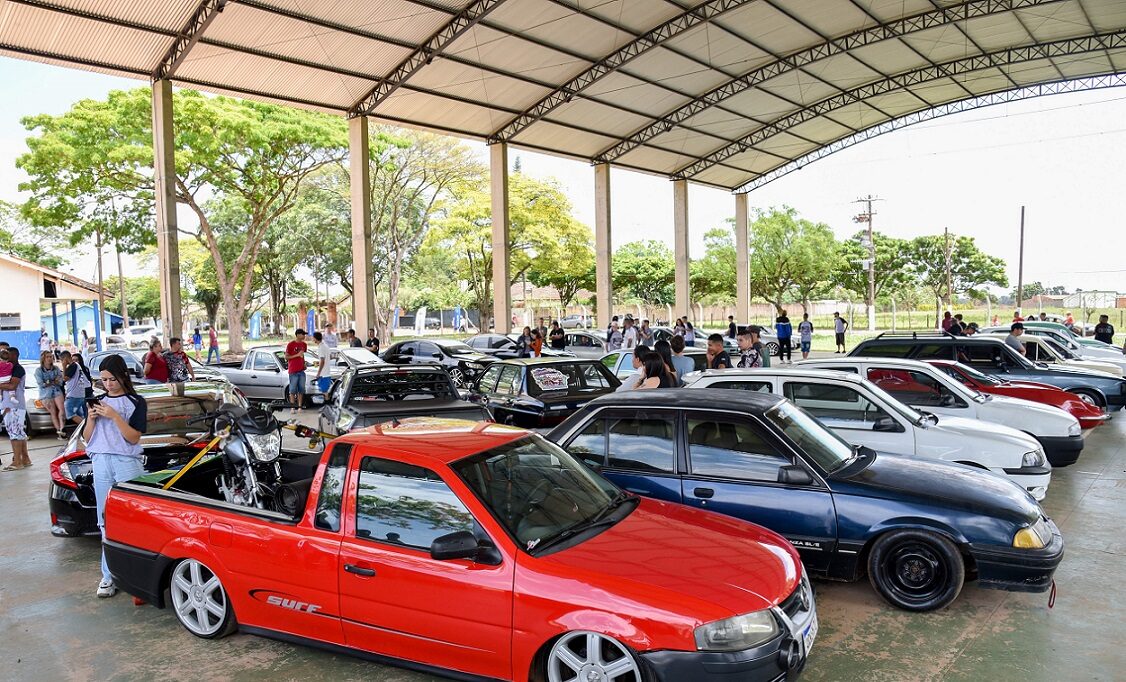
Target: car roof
389, 367
860, 359
546, 360
946, 339
437, 440
679, 397
794, 371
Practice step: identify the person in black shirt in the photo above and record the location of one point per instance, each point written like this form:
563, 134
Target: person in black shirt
372, 342
1104, 330
732, 328
556, 336
717, 356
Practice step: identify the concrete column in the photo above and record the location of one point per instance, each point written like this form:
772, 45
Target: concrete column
502, 296
742, 263
55, 322
98, 325
603, 265
74, 326
167, 246
680, 245
363, 297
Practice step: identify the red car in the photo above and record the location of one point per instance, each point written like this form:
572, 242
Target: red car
1089, 415
473, 550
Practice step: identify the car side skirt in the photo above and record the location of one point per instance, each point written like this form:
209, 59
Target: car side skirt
138, 571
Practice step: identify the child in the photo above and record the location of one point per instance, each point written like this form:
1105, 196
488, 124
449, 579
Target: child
5, 376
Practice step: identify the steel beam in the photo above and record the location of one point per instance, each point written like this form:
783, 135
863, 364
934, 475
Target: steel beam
676, 26
424, 54
164, 175
680, 246
1084, 84
874, 34
603, 246
502, 290
904, 80
197, 24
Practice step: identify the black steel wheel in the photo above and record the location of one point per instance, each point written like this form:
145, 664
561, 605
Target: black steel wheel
916, 570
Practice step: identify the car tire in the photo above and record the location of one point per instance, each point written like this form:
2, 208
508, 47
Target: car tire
916, 570
1090, 397
772, 349
200, 601
457, 375
581, 652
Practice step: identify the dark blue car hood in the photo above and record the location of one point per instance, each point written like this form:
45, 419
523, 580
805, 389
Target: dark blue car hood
893, 477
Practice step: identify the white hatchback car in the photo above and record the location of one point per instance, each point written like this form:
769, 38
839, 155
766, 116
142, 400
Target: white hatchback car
864, 414
926, 387
1047, 351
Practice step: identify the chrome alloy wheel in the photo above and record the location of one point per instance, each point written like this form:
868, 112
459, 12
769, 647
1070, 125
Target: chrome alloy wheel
590, 657
199, 599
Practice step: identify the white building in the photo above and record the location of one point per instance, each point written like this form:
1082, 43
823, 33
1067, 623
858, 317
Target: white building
30, 288
1091, 299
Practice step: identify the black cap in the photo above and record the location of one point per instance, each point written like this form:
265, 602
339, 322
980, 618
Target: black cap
299, 331
1016, 326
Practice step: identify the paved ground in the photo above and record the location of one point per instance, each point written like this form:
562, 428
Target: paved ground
53, 628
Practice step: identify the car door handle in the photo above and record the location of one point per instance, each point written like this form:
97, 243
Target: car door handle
253, 376
359, 570
706, 493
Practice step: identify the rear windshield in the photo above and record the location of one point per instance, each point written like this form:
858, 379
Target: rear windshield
472, 413
402, 385
570, 379
169, 415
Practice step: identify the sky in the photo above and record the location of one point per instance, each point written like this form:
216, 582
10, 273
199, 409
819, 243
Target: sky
1058, 156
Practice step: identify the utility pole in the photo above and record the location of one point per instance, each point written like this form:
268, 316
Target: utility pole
1020, 264
949, 276
866, 217
121, 290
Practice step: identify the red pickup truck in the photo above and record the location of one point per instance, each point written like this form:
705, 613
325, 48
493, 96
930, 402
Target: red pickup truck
473, 550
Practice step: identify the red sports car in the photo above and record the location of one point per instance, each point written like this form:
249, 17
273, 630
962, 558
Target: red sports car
1089, 415
474, 550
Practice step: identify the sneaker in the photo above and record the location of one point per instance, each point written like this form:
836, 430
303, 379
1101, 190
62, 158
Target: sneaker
106, 588
62, 436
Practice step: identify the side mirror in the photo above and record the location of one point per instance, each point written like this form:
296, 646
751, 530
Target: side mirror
277, 370
459, 545
886, 424
794, 474
437, 356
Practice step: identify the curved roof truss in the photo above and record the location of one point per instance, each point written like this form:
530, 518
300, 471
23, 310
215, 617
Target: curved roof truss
727, 93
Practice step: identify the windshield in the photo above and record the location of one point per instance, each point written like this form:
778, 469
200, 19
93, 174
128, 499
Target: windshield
359, 355
972, 373
565, 378
1060, 350
888, 402
819, 443
455, 347
535, 489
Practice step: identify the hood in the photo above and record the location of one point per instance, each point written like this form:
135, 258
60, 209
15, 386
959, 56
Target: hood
940, 484
1047, 418
699, 564
961, 428
1071, 370
1025, 385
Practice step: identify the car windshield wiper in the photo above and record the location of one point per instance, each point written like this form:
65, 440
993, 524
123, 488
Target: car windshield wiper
600, 518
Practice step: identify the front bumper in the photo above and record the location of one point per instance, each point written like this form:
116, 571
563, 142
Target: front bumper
1061, 450
1033, 479
70, 516
782, 658
1018, 570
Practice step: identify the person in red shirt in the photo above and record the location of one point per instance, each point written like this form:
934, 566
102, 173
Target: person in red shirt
295, 364
1017, 317
156, 368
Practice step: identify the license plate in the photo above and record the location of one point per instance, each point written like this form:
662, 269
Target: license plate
810, 634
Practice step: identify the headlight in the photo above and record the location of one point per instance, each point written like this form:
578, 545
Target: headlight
1033, 459
345, 421
266, 447
1074, 429
738, 633
1036, 536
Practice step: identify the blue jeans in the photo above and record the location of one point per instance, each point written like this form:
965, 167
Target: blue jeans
74, 407
109, 469
215, 350
297, 383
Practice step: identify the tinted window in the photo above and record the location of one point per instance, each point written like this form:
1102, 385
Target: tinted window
570, 378
590, 444
754, 386
731, 450
885, 350
933, 351
479, 342
488, 380
502, 342
838, 405
642, 445
262, 361
426, 349
401, 385
913, 388
509, 383
403, 504
982, 356
332, 488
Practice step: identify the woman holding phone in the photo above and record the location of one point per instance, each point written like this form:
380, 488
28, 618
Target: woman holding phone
113, 442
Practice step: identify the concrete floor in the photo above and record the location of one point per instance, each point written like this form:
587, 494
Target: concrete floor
53, 628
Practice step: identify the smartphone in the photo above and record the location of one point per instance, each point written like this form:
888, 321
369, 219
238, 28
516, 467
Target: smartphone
93, 400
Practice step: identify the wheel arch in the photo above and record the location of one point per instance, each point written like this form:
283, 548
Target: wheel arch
589, 621
1091, 390
942, 529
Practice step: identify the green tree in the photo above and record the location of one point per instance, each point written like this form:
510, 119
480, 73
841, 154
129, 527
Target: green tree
893, 271
1031, 290
713, 275
142, 296
91, 170
970, 267
788, 253
26, 241
644, 271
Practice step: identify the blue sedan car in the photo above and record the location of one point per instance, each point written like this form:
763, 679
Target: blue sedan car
917, 528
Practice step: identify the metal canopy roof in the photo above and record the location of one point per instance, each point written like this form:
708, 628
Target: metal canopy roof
728, 93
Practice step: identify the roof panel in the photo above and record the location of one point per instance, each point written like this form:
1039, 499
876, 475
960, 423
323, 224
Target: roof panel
1084, 65
658, 159
1055, 21
719, 48
896, 102
799, 87
1032, 72
468, 82
555, 25
672, 70
1106, 15
985, 82
823, 130
638, 16
440, 113
755, 103
683, 141
548, 135
889, 10
401, 19
754, 161
890, 56
514, 55
627, 91
999, 31
170, 15
589, 114
830, 18
842, 70
940, 44
724, 176
772, 30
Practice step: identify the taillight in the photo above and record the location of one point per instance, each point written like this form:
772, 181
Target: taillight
60, 469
